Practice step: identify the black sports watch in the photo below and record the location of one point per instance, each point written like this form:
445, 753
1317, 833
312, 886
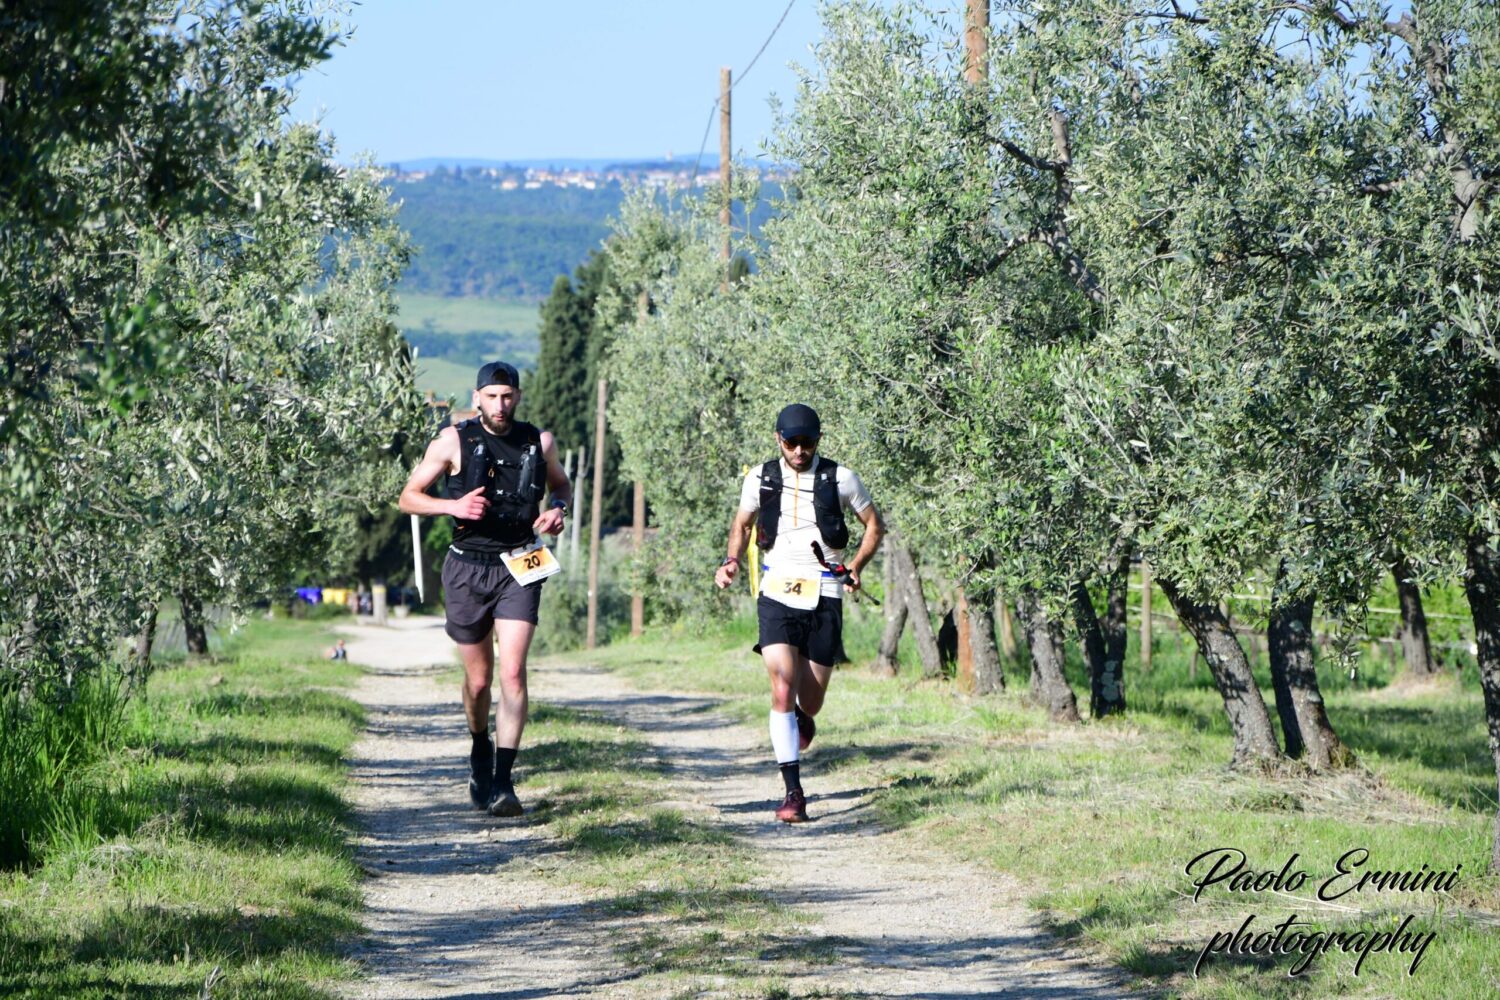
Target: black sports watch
561, 505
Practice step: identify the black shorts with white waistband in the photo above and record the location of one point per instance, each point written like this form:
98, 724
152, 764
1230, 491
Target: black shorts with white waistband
476, 593
817, 633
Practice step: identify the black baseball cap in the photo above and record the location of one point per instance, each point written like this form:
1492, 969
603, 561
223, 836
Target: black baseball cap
498, 373
798, 420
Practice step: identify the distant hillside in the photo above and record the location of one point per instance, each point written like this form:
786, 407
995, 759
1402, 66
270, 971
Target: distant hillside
475, 240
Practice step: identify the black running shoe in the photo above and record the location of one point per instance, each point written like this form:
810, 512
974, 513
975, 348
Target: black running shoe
482, 774
505, 803
806, 728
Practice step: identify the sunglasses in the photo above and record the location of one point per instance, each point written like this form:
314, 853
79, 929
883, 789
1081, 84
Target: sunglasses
805, 443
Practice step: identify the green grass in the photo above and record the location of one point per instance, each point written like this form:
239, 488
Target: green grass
446, 379
471, 331
1100, 819
455, 315
212, 835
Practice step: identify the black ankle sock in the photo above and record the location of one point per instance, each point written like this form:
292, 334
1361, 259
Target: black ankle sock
791, 776
481, 739
505, 758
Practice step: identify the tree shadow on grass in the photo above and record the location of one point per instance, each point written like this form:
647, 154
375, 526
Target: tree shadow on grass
246, 750
258, 809
1261, 975
1445, 738
327, 704
124, 950
572, 755
246, 795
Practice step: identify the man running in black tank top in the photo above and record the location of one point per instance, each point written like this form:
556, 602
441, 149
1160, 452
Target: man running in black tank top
497, 469
795, 501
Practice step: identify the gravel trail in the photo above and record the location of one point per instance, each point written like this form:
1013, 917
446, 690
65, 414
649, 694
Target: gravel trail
457, 909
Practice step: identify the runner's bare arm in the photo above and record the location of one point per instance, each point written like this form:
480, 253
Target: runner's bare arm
441, 458
739, 538
550, 521
874, 532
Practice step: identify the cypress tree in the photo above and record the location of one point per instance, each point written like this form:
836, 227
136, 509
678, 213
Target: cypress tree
558, 394
561, 393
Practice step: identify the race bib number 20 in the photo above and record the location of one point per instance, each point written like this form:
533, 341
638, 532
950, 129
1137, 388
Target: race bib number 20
532, 565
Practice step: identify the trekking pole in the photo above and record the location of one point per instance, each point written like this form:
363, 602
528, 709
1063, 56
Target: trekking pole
840, 572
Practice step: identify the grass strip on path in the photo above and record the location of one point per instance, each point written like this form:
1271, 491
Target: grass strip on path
1102, 818
213, 836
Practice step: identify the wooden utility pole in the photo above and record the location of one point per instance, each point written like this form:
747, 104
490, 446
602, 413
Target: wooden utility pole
1146, 616
976, 22
559, 541
594, 518
724, 154
638, 511
580, 506
638, 537
976, 40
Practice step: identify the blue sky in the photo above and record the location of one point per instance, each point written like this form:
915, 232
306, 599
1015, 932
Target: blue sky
512, 80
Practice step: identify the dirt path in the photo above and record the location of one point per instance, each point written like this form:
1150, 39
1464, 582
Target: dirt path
456, 910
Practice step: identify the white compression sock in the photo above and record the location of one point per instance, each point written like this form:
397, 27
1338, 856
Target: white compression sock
784, 736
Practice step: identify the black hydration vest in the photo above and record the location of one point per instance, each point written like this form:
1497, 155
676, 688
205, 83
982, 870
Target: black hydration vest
827, 510
513, 471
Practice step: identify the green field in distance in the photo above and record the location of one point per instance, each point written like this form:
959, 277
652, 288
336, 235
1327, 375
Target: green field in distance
454, 336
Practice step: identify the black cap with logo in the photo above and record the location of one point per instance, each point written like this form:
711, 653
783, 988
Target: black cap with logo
798, 420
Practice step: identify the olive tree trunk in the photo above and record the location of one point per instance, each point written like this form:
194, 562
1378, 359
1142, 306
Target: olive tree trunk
988, 677
1254, 739
1114, 622
1416, 648
1106, 686
1482, 587
192, 623
140, 656
910, 583
1049, 686
1299, 702
886, 664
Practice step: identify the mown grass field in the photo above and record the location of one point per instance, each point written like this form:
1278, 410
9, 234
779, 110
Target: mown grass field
211, 834
467, 315
507, 330
1100, 819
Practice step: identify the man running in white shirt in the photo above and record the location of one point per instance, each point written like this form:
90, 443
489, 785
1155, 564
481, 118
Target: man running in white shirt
797, 502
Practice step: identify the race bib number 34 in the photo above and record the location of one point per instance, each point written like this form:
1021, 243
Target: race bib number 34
532, 565
793, 591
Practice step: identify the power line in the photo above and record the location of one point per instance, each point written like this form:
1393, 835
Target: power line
713, 108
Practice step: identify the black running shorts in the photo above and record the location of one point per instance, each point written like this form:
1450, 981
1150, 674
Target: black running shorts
817, 633
475, 594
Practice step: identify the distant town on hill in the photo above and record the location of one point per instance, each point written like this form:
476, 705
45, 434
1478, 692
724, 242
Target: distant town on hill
506, 231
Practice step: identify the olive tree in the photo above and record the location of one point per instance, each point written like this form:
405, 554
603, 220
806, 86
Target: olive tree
195, 302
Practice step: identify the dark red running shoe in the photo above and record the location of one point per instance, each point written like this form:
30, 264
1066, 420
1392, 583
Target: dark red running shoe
794, 808
806, 728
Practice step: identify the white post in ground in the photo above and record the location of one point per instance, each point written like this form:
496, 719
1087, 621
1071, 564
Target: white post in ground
418, 570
